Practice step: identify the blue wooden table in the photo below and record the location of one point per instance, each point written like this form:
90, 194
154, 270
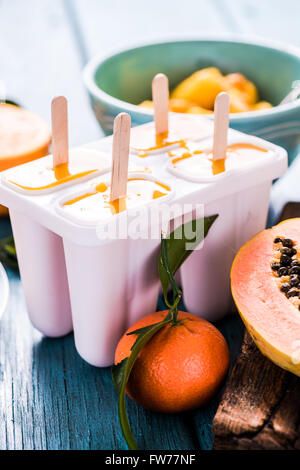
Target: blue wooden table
49, 397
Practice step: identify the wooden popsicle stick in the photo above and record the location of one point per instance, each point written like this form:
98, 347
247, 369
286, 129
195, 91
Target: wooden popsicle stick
60, 144
120, 156
221, 125
160, 96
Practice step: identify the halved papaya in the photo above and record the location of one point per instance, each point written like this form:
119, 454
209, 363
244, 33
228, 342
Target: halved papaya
265, 283
24, 136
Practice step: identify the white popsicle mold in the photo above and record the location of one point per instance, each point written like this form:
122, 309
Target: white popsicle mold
43, 272
204, 273
41, 169
113, 283
180, 129
120, 285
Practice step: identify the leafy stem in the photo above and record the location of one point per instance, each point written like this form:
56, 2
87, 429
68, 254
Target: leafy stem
121, 373
173, 253
8, 255
177, 293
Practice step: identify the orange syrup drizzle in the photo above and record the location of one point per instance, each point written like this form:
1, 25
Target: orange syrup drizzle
61, 174
161, 141
100, 188
183, 157
62, 171
157, 194
246, 146
118, 205
165, 186
218, 166
144, 170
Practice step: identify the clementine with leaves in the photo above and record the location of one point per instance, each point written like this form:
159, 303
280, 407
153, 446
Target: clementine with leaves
170, 361
180, 368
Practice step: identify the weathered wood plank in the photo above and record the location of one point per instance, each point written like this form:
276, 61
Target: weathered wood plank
233, 330
268, 18
115, 24
39, 59
51, 399
260, 406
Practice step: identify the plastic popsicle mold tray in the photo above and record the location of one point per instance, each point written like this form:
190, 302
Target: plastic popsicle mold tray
75, 280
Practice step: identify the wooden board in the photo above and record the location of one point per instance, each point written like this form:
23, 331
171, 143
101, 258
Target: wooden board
233, 330
260, 407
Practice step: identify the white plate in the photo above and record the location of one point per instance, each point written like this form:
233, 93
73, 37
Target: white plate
4, 290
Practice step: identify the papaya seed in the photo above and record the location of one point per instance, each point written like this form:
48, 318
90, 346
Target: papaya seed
282, 271
285, 260
275, 266
292, 292
295, 270
285, 287
288, 243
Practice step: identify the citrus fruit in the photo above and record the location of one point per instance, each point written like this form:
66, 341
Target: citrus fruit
180, 368
24, 136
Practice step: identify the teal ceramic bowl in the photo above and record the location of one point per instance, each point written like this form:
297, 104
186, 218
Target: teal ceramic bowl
120, 81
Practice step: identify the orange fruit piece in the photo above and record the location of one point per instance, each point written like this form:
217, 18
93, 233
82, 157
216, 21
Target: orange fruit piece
178, 105
201, 88
239, 82
180, 368
146, 104
262, 105
24, 136
237, 101
198, 110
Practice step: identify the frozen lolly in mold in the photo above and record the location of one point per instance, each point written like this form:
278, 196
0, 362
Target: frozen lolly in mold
119, 278
162, 135
205, 165
55, 172
40, 177
198, 164
93, 205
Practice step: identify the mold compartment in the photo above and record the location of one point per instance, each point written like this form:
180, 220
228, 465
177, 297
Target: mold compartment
39, 177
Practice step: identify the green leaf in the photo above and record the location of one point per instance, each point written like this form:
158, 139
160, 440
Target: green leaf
177, 247
9, 102
8, 255
173, 253
177, 293
121, 373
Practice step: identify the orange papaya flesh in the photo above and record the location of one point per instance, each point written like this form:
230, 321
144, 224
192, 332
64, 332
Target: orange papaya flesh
271, 318
24, 136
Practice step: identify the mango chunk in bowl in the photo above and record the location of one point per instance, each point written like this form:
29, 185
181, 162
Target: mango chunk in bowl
122, 81
197, 93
